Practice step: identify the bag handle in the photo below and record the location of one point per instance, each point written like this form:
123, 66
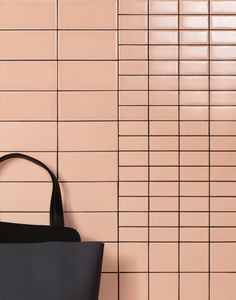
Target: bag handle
56, 207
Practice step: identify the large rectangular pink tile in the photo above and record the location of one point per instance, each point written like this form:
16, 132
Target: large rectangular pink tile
194, 143
194, 83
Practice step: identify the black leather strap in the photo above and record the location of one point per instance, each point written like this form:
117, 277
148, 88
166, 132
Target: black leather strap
56, 208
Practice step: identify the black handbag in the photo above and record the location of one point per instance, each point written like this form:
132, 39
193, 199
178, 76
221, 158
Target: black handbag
42, 262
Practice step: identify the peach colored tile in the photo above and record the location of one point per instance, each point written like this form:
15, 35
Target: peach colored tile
138, 234
25, 136
194, 189
133, 189
164, 127
194, 22
223, 143
163, 52
163, 37
133, 52
223, 7
109, 287
194, 143
193, 7
163, 6
87, 45
223, 158
223, 67
163, 234
89, 105
110, 258
223, 37
194, 234
133, 22
194, 113
194, 158
163, 67
193, 37
163, 173
133, 158
163, 98
92, 136
89, 196
223, 52
194, 204
28, 171
163, 219
163, 203
163, 143
86, 75
223, 285
133, 204
223, 234
133, 173
74, 14
223, 203
129, 281
194, 257
133, 257
133, 83
194, 286
194, 173
223, 189
194, 67
223, 128
28, 14
224, 98
223, 22
133, 128
163, 257
133, 67
194, 98
13, 106
222, 257
163, 286
224, 113
163, 83
133, 98
163, 22
128, 113
36, 76
194, 219
28, 45
223, 219
88, 166
194, 127
132, 7
194, 82
194, 52
133, 143
133, 37
164, 158
163, 188
163, 113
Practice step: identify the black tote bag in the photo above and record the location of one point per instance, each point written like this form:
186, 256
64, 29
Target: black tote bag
42, 262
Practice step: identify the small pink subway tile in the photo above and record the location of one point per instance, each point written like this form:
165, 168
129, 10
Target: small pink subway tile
223, 285
87, 44
223, 52
224, 113
222, 219
163, 143
193, 37
223, 158
163, 158
193, 22
193, 7
163, 173
196, 203
163, 98
194, 282
223, 68
128, 281
223, 173
89, 105
162, 219
132, 7
164, 127
163, 7
194, 219
194, 113
109, 287
39, 75
163, 22
163, 189
25, 136
194, 158
223, 22
194, 98
163, 234
163, 83
194, 82
133, 173
163, 113
133, 67
133, 219
223, 37
89, 196
133, 22
194, 189
223, 203
87, 14
28, 14
138, 234
134, 37
133, 83
223, 143
163, 203
133, 128
13, 106
194, 234
133, 97
223, 7
223, 234
133, 189
92, 136
224, 98
194, 52
163, 37
194, 143
28, 45
133, 257
133, 52
163, 257
163, 52
194, 257
163, 286
222, 257
84, 166
194, 68
133, 158
194, 173
133, 143
86, 75
223, 189
133, 204
163, 67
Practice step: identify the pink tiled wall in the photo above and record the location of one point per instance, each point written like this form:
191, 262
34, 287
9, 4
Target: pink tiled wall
132, 104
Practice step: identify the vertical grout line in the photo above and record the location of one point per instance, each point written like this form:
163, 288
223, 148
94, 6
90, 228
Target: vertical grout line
57, 55
118, 149
209, 150
179, 215
148, 93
